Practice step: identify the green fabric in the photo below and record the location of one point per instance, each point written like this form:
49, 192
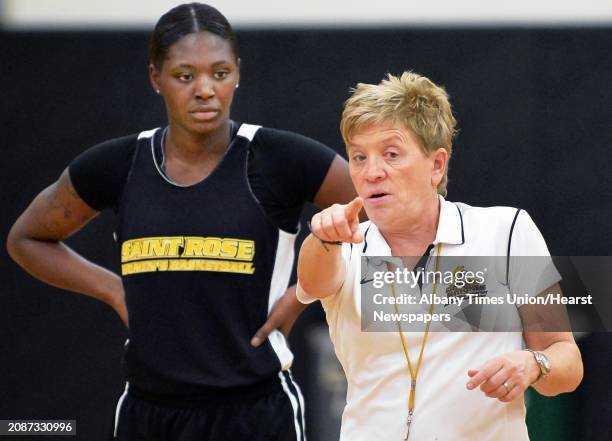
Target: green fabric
550, 418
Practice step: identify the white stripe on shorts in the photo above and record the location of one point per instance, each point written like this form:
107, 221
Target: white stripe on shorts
301, 398
295, 403
118, 409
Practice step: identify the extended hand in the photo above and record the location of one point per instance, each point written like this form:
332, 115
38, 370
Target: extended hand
505, 377
282, 317
339, 223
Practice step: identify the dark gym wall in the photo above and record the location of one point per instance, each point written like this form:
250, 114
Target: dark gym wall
535, 122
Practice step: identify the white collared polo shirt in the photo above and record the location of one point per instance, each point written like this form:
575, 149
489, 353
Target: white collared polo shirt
375, 364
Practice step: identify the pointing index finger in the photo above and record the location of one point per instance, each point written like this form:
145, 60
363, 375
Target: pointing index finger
353, 208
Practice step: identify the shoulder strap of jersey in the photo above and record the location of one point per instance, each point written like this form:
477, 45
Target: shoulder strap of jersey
248, 131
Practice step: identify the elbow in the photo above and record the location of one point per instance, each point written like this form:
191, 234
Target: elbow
571, 384
15, 244
307, 287
572, 378
577, 377
306, 283
12, 244
313, 287
577, 370
316, 289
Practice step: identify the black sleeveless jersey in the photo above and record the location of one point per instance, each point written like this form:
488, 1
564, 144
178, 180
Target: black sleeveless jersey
202, 266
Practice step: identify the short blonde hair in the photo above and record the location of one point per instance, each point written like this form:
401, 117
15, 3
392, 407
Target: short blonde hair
412, 100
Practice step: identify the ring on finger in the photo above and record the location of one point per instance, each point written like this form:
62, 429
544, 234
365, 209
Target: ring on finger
506, 386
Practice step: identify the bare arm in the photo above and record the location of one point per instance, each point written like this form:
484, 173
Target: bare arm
541, 330
34, 242
566, 361
519, 369
337, 189
282, 317
321, 269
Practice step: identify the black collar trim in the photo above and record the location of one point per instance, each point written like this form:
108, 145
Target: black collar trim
462, 231
365, 239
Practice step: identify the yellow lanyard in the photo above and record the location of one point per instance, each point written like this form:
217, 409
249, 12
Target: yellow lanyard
414, 373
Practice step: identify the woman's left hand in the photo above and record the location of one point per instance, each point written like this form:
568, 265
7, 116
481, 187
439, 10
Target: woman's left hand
505, 377
282, 317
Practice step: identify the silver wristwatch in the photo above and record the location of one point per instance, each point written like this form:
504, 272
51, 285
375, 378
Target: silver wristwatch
543, 363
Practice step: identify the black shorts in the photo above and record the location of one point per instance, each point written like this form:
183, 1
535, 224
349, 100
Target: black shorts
276, 415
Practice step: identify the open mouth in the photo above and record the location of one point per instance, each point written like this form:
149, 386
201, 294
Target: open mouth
377, 195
